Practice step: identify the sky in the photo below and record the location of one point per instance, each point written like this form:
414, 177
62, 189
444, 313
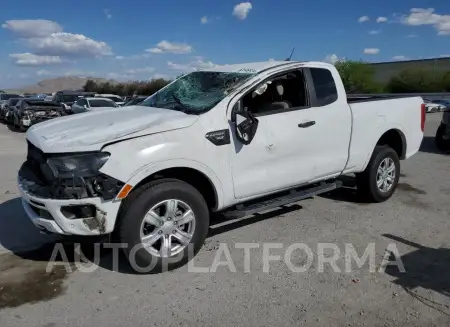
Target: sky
145, 39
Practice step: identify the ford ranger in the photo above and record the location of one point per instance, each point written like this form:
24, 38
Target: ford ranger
236, 139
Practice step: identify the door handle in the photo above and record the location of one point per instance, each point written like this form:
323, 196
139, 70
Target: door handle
307, 124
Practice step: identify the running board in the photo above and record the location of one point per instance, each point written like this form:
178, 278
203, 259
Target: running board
242, 210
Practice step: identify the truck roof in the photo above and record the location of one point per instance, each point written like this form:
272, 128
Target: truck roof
257, 67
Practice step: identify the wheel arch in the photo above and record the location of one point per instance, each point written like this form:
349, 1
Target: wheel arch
394, 138
191, 172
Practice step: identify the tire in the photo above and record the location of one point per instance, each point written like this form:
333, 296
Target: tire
367, 180
439, 140
131, 218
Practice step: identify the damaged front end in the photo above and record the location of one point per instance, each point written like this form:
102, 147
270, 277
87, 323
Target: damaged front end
32, 117
70, 177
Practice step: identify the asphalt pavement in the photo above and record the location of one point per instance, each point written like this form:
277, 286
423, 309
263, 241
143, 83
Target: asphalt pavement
415, 222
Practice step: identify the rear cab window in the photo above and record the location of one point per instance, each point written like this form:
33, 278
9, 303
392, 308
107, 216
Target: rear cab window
324, 86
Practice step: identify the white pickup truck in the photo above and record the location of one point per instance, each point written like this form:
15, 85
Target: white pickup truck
238, 139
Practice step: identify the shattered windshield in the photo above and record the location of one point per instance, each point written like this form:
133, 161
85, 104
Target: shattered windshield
196, 92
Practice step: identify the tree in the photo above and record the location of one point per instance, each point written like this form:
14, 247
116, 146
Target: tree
90, 86
358, 77
130, 88
415, 81
446, 82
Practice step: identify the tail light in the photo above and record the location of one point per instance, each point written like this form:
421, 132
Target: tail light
422, 116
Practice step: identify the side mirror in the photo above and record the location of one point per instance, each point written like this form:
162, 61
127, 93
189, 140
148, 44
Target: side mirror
245, 124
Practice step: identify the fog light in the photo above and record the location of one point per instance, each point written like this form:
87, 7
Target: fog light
79, 211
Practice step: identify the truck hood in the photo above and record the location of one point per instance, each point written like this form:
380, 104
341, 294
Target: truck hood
90, 131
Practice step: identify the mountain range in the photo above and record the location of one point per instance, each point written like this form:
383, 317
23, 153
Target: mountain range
58, 84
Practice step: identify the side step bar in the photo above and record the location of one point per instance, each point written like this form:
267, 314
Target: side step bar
242, 210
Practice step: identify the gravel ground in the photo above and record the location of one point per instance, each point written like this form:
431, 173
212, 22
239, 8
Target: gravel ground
416, 220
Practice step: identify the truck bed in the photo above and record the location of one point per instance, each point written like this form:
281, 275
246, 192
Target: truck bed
382, 113
357, 98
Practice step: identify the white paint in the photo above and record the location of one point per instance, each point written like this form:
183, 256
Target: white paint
144, 140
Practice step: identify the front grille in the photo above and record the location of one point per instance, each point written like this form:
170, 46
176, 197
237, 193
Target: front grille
42, 213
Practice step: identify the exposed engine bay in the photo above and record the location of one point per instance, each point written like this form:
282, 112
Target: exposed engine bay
41, 180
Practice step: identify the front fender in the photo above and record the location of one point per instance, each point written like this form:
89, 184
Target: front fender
153, 168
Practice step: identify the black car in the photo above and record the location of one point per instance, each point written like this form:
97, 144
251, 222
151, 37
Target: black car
29, 112
4, 97
442, 137
8, 106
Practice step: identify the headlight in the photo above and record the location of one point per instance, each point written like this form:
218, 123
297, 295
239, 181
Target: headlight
80, 165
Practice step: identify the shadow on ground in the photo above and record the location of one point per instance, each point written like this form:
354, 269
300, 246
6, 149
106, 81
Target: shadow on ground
18, 235
16, 231
429, 146
425, 267
347, 193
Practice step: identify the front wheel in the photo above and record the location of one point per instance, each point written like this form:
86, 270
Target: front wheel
379, 180
163, 225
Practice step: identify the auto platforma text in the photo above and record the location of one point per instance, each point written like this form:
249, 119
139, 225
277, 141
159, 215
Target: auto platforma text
245, 257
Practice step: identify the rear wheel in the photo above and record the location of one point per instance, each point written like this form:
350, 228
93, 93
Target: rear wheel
379, 180
163, 224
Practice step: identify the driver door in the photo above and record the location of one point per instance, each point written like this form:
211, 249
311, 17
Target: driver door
277, 156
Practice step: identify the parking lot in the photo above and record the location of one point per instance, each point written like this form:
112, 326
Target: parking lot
416, 220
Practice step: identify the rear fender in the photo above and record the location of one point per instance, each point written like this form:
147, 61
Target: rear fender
374, 143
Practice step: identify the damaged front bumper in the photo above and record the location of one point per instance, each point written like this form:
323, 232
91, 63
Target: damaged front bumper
52, 210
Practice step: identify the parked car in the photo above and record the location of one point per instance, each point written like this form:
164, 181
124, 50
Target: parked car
9, 115
433, 106
90, 104
442, 138
4, 97
238, 139
128, 98
444, 103
68, 97
136, 100
9, 104
117, 99
28, 112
